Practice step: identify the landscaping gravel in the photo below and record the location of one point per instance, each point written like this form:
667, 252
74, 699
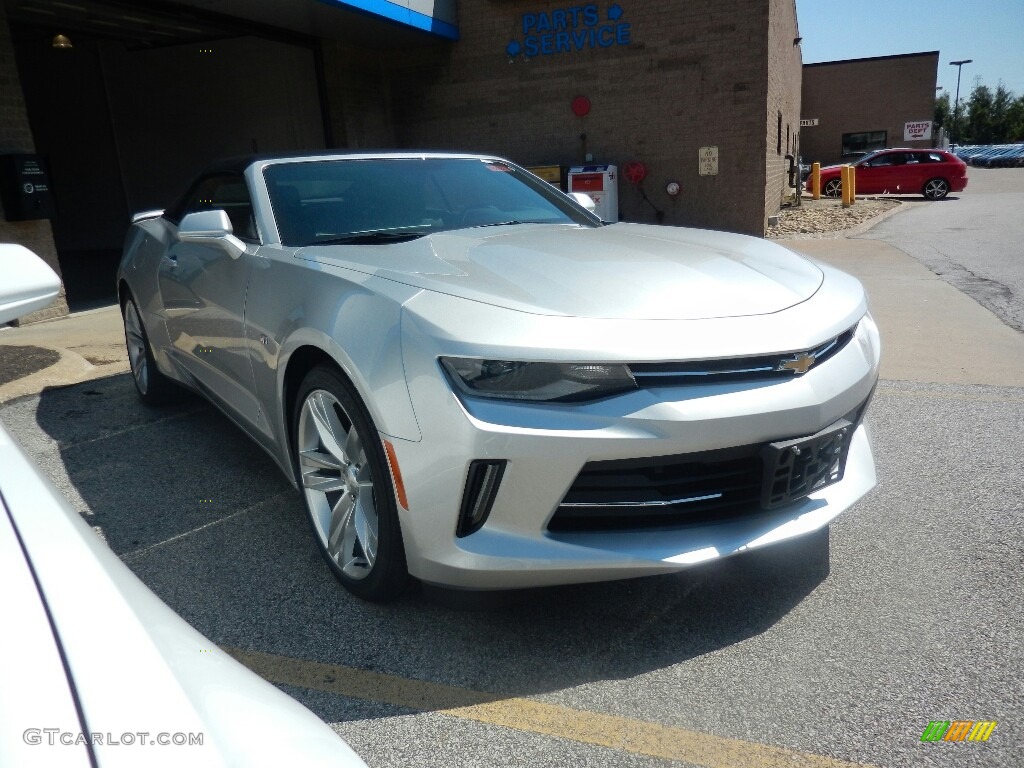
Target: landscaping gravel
826, 217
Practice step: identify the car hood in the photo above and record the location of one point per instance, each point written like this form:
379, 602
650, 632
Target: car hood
619, 271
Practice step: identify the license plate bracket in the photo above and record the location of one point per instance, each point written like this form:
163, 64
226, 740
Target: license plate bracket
796, 468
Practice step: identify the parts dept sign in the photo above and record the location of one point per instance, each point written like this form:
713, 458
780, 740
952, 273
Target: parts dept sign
917, 131
570, 29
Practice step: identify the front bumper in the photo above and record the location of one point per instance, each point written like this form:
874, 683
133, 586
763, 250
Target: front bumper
546, 446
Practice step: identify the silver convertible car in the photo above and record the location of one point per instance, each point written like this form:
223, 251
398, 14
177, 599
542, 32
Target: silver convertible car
476, 382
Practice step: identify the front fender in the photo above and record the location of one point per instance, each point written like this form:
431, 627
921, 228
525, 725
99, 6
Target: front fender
352, 318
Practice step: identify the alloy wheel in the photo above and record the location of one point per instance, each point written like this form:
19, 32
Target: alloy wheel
833, 188
936, 189
136, 341
338, 484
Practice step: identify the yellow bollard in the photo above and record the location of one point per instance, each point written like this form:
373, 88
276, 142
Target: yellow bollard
853, 184
845, 178
816, 180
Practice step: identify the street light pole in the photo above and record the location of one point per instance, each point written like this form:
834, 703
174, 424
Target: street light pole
956, 104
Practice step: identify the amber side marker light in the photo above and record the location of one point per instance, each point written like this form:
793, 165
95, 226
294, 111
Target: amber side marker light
396, 474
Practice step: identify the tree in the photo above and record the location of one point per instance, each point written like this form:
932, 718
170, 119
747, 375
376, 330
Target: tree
984, 117
1015, 120
1001, 102
943, 112
979, 116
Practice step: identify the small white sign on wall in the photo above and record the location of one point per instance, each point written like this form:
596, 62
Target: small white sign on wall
707, 161
919, 131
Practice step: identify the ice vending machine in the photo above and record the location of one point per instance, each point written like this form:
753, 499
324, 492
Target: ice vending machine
601, 184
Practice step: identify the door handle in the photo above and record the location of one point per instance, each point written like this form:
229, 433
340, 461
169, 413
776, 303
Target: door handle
173, 260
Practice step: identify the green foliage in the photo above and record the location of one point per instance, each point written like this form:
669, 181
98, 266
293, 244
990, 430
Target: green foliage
943, 111
984, 117
980, 128
1015, 120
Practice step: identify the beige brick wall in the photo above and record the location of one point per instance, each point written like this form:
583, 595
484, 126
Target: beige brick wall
783, 101
879, 94
694, 74
16, 136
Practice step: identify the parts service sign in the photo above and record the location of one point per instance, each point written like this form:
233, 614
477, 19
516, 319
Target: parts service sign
570, 29
919, 131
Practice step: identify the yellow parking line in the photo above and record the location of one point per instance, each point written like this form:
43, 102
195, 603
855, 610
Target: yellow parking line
621, 733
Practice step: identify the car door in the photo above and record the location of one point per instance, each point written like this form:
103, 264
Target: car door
876, 173
203, 293
915, 173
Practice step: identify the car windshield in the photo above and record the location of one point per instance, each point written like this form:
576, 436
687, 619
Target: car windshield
389, 200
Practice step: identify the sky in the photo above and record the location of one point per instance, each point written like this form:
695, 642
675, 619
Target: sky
989, 32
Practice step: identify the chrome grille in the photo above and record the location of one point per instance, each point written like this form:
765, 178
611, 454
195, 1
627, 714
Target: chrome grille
662, 491
705, 487
777, 366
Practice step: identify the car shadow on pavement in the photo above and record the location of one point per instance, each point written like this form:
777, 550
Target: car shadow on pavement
210, 524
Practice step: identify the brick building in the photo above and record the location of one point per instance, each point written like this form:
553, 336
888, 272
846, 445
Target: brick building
662, 80
866, 104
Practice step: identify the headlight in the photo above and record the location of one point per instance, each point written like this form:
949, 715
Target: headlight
510, 380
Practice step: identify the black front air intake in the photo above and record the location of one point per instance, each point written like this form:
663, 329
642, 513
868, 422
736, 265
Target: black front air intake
482, 483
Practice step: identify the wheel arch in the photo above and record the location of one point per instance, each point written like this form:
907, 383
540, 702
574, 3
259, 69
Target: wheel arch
306, 356
301, 361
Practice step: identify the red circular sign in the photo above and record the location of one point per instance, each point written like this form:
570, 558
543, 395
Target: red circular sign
634, 171
581, 106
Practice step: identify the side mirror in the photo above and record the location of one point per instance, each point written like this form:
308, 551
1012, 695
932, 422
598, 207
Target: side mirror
28, 284
211, 228
143, 215
585, 200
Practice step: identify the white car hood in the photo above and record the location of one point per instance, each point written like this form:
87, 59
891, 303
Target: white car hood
620, 271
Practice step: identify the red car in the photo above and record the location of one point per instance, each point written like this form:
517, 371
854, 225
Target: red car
933, 173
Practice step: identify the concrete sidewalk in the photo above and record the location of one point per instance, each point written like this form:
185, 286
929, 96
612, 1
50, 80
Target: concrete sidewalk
90, 345
931, 332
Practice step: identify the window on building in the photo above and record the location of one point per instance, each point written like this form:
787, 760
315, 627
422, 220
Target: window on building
867, 141
778, 142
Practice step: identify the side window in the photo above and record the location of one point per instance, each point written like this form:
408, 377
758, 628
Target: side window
886, 158
227, 193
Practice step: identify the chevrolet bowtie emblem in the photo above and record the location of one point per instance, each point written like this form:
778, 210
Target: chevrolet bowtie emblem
799, 364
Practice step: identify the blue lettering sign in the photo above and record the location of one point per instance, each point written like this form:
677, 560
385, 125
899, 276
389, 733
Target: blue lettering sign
573, 28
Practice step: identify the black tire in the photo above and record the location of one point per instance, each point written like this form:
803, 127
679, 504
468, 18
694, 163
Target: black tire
153, 387
346, 487
935, 189
832, 188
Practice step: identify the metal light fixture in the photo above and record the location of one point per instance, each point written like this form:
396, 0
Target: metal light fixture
956, 103
62, 41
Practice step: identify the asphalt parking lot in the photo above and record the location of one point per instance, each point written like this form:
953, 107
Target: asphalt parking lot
843, 649
825, 652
